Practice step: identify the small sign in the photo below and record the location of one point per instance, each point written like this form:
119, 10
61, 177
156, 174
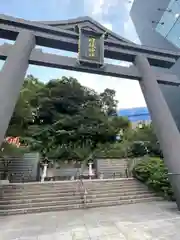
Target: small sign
91, 48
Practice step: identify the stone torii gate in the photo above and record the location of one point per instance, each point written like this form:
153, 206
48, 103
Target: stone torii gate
93, 42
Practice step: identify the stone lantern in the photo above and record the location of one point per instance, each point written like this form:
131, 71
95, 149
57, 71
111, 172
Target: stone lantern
44, 164
90, 169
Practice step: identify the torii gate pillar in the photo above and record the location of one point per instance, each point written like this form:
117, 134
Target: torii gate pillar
164, 124
12, 77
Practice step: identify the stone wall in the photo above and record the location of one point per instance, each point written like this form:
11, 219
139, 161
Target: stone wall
115, 167
111, 167
22, 169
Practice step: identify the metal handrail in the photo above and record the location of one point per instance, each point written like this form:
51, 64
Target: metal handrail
84, 191
81, 188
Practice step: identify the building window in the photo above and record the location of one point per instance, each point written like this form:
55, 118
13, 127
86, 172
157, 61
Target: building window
174, 35
169, 20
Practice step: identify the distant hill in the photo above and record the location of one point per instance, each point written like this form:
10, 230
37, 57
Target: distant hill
135, 114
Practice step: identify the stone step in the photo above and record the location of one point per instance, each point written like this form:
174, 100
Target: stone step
112, 173
60, 194
39, 189
99, 198
118, 188
48, 203
104, 182
114, 181
54, 195
109, 170
39, 184
111, 176
92, 195
111, 160
71, 201
66, 183
114, 169
111, 183
72, 191
124, 189
43, 187
113, 166
75, 206
36, 195
110, 186
40, 209
69, 182
41, 198
122, 202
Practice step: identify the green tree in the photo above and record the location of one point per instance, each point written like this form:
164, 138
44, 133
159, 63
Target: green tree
108, 102
24, 112
70, 116
64, 119
142, 139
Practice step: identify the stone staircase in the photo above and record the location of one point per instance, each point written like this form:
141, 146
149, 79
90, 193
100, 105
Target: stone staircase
117, 192
56, 196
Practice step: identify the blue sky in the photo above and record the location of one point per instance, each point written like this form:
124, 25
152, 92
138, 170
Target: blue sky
113, 14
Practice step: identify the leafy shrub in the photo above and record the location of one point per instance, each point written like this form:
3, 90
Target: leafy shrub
122, 149
154, 173
138, 149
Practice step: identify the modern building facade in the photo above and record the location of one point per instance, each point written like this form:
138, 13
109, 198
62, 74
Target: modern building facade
157, 24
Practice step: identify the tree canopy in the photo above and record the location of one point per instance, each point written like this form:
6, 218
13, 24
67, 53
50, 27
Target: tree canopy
63, 118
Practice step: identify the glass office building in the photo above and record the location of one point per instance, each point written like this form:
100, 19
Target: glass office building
169, 24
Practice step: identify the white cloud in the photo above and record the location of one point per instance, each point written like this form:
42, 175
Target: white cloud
107, 25
97, 7
130, 32
128, 92
129, 29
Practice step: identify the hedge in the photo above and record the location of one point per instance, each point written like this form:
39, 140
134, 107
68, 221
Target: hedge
154, 173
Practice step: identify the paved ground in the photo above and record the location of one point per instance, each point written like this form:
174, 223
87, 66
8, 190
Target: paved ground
157, 220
